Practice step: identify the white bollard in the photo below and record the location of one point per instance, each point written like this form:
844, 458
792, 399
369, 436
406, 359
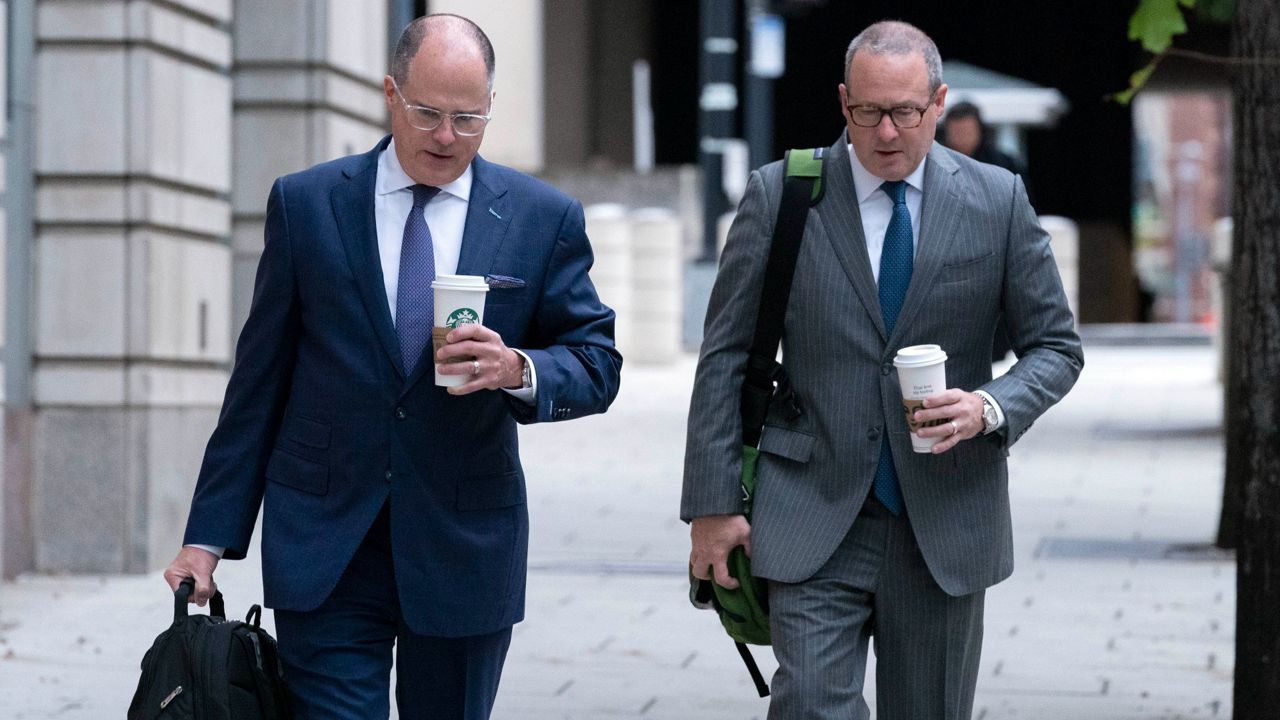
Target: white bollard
657, 286
1220, 293
1064, 239
610, 232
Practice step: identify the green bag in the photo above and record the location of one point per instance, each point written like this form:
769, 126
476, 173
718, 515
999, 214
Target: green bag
744, 611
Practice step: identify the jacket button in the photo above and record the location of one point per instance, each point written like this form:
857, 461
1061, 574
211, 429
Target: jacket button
873, 434
401, 414
388, 476
886, 368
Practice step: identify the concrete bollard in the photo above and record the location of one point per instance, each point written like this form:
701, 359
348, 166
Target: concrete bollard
657, 286
1220, 292
610, 232
1064, 239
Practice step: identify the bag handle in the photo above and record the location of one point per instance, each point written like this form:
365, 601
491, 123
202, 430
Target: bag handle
182, 596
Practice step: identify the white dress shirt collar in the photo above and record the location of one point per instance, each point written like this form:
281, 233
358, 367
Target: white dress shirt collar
392, 177
864, 183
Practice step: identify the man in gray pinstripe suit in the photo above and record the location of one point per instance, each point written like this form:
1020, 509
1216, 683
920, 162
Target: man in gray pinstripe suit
908, 562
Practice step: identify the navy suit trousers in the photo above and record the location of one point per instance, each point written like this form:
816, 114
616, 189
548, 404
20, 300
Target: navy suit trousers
337, 658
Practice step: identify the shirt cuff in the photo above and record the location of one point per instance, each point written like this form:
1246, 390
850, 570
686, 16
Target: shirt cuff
996, 405
527, 395
209, 548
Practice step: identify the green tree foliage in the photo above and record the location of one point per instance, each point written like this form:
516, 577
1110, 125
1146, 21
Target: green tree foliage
1155, 23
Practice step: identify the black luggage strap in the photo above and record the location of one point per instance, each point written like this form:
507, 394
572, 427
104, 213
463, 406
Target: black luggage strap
801, 188
762, 687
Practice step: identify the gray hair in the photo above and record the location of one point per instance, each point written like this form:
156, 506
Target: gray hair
411, 40
892, 37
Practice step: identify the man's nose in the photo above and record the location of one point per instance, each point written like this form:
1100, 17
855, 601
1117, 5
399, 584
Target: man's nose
444, 133
886, 130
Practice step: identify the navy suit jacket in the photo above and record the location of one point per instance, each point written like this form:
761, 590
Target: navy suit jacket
320, 426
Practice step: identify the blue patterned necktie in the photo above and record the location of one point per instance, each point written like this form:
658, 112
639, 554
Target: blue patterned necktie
895, 275
415, 304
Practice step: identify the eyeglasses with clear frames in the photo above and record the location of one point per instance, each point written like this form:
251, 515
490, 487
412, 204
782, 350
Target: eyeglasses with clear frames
428, 119
904, 117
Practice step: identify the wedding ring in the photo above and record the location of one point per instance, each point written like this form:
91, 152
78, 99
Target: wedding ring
475, 370
954, 428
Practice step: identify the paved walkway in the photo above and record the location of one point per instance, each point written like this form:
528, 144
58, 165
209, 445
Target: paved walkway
1115, 610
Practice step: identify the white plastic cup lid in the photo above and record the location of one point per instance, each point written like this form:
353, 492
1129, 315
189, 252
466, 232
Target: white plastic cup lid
919, 356
460, 282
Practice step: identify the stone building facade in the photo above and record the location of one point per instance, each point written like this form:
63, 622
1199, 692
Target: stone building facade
140, 142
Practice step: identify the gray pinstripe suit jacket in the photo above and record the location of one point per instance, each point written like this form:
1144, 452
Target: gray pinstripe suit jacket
981, 251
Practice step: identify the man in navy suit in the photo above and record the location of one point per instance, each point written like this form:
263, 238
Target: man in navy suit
393, 509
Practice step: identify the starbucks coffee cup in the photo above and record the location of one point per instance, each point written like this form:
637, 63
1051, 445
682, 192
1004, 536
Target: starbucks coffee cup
459, 300
921, 373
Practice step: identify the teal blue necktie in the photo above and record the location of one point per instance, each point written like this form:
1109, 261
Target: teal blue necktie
896, 260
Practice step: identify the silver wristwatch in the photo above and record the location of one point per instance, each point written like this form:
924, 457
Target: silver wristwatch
989, 417
526, 375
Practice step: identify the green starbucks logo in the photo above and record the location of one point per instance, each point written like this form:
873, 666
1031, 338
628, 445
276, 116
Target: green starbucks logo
462, 316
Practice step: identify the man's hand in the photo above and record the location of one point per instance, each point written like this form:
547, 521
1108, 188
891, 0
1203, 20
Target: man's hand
486, 361
962, 411
713, 537
193, 563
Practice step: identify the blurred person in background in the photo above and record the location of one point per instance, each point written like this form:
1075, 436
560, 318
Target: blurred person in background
964, 131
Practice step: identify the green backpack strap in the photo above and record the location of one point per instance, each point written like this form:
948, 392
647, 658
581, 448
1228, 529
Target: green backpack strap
765, 382
807, 163
744, 611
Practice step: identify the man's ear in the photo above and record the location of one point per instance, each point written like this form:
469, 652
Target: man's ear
389, 91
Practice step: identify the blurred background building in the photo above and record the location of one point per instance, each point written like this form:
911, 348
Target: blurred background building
140, 138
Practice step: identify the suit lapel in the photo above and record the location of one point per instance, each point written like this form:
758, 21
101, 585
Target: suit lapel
352, 203
482, 237
487, 221
938, 214
838, 212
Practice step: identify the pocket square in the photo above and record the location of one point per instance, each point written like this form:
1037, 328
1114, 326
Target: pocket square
503, 281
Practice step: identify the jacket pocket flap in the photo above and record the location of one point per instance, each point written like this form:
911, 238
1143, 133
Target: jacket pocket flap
307, 432
298, 473
486, 492
790, 444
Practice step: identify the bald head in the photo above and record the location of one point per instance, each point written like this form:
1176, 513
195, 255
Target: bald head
892, 37
447, 29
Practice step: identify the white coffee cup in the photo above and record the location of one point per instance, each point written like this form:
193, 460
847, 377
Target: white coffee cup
459, 300
922, 371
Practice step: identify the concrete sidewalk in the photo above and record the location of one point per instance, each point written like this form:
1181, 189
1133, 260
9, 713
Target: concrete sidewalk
1116, 610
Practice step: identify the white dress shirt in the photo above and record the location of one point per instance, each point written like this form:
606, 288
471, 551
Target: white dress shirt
876, 208
446, 216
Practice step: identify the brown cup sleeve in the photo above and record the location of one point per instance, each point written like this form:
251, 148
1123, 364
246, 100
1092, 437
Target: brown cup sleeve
438, 335
911, 406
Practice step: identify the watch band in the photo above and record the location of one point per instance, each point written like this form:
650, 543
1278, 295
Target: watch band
989, 417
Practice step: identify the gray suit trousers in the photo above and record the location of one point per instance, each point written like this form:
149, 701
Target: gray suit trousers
927, 643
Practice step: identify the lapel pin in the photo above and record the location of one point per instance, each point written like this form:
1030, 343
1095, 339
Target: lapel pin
494, 213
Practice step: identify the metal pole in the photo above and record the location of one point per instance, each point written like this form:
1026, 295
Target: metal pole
399, 14
716, 107
767, 33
